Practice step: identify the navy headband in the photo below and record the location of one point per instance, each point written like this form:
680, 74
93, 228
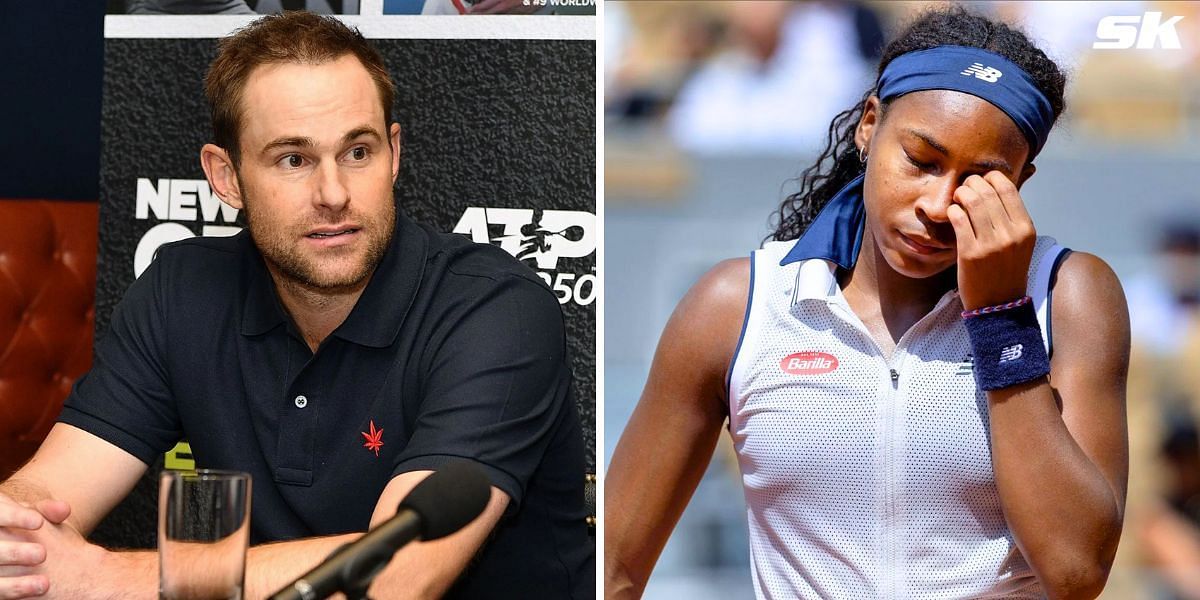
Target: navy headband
978, 72
836, 233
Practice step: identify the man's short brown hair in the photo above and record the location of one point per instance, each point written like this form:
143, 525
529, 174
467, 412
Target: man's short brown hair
292, 37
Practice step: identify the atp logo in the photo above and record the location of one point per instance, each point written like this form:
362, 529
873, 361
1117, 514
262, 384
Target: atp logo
542, 237
987, 74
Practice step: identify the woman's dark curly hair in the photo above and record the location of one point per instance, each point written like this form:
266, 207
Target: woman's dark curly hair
954, 26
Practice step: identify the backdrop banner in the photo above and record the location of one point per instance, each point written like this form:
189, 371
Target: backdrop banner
498, 137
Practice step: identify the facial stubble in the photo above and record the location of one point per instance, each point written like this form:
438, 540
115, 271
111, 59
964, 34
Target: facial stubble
281, 250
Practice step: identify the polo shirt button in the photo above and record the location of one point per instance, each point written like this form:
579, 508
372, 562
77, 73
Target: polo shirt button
301, 401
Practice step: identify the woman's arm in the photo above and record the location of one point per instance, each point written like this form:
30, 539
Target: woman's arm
1059, 443
1059, 446
669, 440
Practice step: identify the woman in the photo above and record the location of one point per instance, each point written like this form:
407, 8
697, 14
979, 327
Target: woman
884, 365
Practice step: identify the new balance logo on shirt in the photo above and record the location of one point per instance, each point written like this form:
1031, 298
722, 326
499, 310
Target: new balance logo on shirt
967, 366
1010, 353
987, 74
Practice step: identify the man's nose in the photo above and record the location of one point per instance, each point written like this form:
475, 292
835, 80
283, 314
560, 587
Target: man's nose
331, 192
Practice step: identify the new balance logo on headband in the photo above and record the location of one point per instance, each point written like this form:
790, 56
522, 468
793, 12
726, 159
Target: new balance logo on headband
987, 74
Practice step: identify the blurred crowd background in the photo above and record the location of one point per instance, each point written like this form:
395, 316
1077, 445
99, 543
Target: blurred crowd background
712, 109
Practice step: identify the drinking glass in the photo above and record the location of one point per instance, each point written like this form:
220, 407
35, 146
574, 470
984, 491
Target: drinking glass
203, 532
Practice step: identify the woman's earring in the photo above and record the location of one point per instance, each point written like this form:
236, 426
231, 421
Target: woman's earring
862, 155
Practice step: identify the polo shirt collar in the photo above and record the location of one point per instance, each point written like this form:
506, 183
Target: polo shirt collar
376, 318
836, 234
834, 238
261, 308
815, 280
374, 321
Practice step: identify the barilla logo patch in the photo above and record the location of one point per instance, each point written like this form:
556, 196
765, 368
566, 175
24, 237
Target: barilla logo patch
808, 363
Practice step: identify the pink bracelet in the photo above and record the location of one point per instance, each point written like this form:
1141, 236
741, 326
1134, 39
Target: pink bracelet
966, 314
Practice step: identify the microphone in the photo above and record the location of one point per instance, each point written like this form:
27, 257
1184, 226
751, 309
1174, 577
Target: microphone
438, 506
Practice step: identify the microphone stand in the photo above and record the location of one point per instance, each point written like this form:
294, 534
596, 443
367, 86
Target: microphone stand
358, 575
436, 507
355, 581
358, 590
352, 567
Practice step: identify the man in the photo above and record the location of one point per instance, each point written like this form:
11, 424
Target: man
336, 351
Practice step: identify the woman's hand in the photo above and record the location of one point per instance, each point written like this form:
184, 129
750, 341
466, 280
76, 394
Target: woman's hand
995, 240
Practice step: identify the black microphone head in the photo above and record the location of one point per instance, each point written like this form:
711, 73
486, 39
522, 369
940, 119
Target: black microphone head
449, 498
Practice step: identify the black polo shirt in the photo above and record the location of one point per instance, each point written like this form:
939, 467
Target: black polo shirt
453, 350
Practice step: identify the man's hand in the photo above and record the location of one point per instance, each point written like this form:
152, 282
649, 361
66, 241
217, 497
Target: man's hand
995, 240
47, 509
23, 529
75, 569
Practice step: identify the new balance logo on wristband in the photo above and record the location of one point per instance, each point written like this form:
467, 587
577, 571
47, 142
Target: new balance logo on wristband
987, 74
1010, 353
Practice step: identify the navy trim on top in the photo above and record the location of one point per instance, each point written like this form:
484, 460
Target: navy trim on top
1058, 260
742, 336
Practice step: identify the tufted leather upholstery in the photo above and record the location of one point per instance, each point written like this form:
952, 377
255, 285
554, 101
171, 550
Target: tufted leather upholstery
47, 297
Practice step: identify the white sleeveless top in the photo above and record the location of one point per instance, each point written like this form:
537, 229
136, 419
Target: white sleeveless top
867, 477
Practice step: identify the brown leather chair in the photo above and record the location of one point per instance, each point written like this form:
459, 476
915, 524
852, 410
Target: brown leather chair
47, 299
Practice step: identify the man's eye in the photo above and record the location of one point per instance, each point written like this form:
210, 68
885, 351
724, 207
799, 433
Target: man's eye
293, 161
359, 153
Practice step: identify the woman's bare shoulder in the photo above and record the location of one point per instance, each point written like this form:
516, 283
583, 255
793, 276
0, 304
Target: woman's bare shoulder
717, 301
702, 334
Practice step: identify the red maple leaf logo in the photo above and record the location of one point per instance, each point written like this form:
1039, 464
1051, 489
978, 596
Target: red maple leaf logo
374, 439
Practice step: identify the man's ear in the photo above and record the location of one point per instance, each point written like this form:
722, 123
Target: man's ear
221, 174
394, 142
1026, 173
867, 124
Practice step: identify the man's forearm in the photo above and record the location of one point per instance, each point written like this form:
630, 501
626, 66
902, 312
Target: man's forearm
270, 567
420, 570
27, 491
127, 574
23, 489
134, 574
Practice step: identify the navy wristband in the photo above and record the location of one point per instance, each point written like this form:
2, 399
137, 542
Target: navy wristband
1007, 347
